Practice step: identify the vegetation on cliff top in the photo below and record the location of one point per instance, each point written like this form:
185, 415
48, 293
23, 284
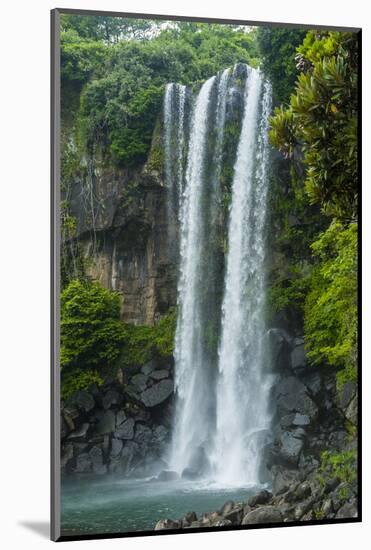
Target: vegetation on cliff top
121, 70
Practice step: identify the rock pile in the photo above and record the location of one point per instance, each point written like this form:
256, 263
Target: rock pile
121, 426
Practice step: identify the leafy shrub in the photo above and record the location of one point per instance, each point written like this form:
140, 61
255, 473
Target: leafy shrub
144, 342
331, 305
341, 465
91, 333
80, 57
79, 380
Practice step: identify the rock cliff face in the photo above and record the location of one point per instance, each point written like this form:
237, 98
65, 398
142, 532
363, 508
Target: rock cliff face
122, 229
311, 415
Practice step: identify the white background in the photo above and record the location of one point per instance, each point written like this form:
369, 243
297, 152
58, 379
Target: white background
24, 272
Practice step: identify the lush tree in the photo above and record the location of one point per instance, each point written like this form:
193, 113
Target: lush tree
80, 57
277, 47
91, 333
109, 29
322, 121
123, 79
331, 304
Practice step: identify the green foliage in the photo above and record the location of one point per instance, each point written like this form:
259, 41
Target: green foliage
322, 120
91, 331
164, 333
278, 48
80, 57
331, 305
338, 465
108, 29
122, 66
94, 341
144, 342
288, 293
74, 381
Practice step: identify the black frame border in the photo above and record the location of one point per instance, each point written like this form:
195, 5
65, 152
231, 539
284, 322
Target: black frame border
55, 97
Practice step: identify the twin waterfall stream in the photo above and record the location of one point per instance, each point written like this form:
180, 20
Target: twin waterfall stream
222, 381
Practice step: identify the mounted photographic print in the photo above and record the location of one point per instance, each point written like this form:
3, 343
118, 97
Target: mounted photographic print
205, 274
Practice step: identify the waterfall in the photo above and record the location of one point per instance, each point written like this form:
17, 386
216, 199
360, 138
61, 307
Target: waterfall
174, 107
192, 407
180, 138
243, 386
222, 389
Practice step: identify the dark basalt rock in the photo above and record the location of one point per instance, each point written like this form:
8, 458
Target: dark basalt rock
303, 508
126, 430
292, 397
188, 519
348, 510
107, 423
240, 70
120, 418
160, 433
83, 463
313, 382
112, 397
140, 381
158, 393
67, 454
160, 374
298, 357
81, 432
143, 434
300, 420
288, 448
127, 456
299, 492
169, 475
227, 507
235, 515
148, 367
116, 447
263, 497
83, 401
278, 342
264, 514
283, 478
188, 473
165, 524
64, 428
96, 457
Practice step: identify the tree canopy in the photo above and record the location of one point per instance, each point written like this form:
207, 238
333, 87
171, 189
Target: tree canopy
322, 120
121, 66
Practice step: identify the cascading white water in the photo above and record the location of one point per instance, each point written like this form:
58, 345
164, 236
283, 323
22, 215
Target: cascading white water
243, 387
174, 107
180, 140
191, 430
168, 126
221, 413
218, 151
